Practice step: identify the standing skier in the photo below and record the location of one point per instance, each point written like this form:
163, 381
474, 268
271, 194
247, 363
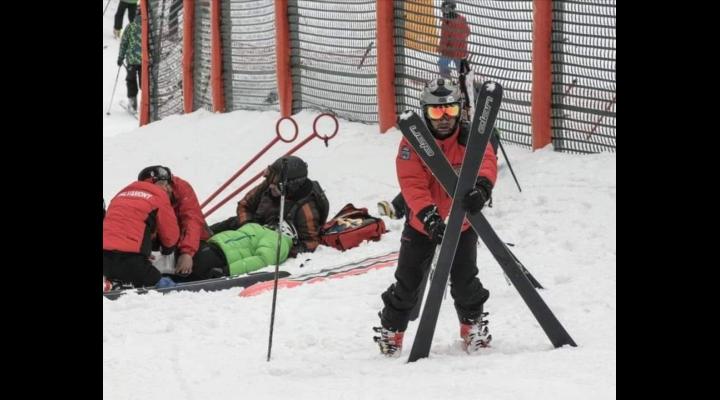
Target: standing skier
131, 7
454, 34
131, 50
427, 207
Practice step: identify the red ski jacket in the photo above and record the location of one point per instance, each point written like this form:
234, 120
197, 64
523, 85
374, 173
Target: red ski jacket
189, 217
420, 188
135, 216
453, 37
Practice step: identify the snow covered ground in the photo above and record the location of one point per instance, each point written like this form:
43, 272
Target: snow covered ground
213, 345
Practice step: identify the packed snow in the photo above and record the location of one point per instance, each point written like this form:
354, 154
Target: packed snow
214, 345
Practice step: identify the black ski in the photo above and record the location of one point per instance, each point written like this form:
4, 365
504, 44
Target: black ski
445, 174
487, 106
416, 310
124, 104
415, 313
209, 285
527, 273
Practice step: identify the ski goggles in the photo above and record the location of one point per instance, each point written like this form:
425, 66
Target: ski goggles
436, 112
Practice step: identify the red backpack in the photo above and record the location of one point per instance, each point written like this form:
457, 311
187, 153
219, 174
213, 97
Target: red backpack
349, 227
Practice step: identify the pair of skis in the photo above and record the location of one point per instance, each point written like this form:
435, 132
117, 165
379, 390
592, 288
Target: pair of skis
126, 105
413, 128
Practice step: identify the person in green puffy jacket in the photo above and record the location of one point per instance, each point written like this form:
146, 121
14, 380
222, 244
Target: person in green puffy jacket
246, 249
131, 54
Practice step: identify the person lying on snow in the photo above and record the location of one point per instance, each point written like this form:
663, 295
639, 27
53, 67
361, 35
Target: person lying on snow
305, 206
246, 249
248, 241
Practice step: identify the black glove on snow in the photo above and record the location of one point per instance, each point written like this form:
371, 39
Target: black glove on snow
434, 225
120, 62
475, 199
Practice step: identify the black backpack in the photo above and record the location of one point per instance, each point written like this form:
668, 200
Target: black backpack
323, 205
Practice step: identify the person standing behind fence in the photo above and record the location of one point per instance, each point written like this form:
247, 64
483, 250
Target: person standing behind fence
131, 7
131, 51
453, 38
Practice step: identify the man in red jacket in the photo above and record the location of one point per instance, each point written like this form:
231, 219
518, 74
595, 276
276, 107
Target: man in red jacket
190, 219
137, 216
453, 38
427, 207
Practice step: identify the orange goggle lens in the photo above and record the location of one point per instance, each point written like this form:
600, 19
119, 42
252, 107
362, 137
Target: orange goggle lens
437, 111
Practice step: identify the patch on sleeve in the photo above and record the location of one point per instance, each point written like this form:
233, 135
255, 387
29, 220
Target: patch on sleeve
405, 153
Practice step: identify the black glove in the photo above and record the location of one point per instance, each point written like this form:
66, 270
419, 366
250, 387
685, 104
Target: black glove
120, 62
475, 199
433, 223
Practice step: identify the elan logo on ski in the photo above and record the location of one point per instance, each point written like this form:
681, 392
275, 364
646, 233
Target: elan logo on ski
485, 114
421, 140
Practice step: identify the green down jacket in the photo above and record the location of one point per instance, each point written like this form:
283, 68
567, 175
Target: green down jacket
251, 247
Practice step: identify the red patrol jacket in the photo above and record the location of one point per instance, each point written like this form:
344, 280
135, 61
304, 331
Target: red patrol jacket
135, 215
189, 217
453, 37
420, 188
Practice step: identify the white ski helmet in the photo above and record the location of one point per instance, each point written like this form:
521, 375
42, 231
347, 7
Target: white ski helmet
440, 91
287, 229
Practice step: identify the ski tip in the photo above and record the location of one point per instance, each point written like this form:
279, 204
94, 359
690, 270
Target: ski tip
405, 115
490, 86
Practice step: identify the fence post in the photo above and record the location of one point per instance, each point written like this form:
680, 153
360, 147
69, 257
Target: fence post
144, 65
541, 103
282, 58
218, 94
188, 54
385, 65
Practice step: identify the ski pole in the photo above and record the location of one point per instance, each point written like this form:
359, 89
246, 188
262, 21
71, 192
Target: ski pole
315, 134
113, 92
278, 137
367, 51
106, 6
283, 182
502, 149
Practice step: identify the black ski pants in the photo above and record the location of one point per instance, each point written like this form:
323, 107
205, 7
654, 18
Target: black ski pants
133, 268
122, 6
208, 262
132, 79
416, 253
